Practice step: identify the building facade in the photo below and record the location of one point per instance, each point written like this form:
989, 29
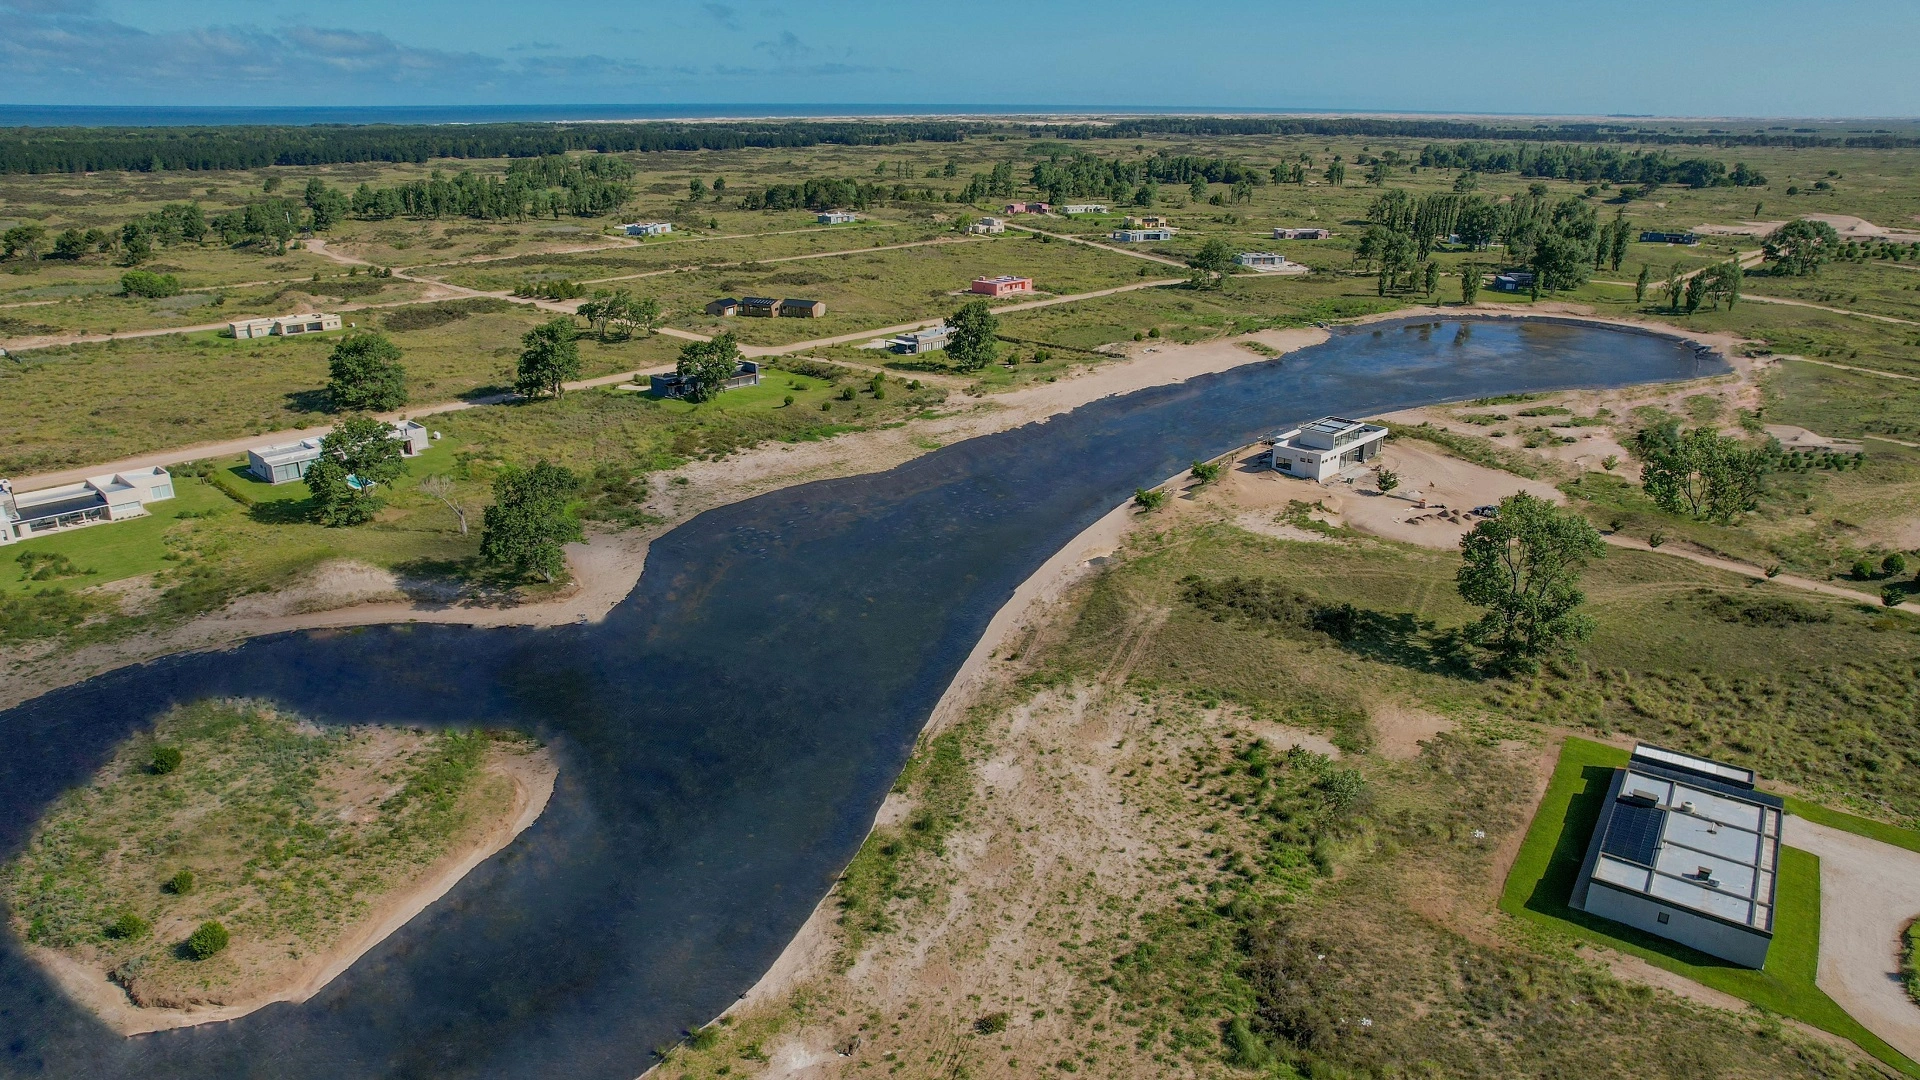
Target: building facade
792, 308
1320, 451
286, 462
1301, 234
672, 385
1004, 285
649, 228
93, 501
1687, 238
1260, 260
921, 341
1685, 849
1072, 209
988, 226
725, 307
836, 217
1136, 236
283, 326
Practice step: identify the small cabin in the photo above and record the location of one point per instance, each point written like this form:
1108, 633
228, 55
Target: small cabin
1004, 285
792, 308
726, 306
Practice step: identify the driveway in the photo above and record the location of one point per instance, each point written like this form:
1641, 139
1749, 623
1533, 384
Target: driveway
1868, 891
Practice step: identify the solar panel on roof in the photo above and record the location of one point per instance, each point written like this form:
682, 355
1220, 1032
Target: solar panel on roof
1634, 834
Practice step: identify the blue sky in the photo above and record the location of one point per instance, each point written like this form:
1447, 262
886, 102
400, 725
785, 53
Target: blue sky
1704, 58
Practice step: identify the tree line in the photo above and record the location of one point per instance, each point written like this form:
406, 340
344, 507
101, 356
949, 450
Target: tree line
74, 149
1589, 163
1561, 241
548, 186
1372, 127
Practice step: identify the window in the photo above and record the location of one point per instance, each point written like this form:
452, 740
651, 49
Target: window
1664, 918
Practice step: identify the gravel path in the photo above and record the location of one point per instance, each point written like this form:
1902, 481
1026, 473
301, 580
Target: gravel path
1868, 891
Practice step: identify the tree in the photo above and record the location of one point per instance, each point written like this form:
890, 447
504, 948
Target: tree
357, 456
696, 189
1622, 235
1799, 247
1674, 287
707, 365
1197, 189
1337, 172
1211, 264
549, 357
1640, 283
136, 246
1696, 292
531, 520
439, 487
70, 244
970, 338
1148, 500
205, 942
1432, 279
1386, 480
1469, 283
22, 240
1206, 472
1523, 565
364, 375
1700, 473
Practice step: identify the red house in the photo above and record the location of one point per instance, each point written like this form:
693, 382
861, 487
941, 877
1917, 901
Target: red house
1003, 285
1029, 208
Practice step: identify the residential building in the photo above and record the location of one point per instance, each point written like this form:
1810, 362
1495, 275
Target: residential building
1146, 221
746, 373
1028, 208
1321, 450
1260, 260
1685, 849
791, 308
988, 226
283, 326
286, 462
1136, 236
1514, 281
763, 307
725, 306
1686, 238
836, 217
97, 499
921, 341
649, 228
1083, 208
1003, 285
1301, 234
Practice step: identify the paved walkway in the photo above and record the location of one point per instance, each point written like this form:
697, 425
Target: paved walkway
1868, 893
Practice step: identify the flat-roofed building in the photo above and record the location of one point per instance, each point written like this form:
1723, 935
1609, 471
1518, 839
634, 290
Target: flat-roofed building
836, 217
1028, 208
1147, 221
289, 325
1260, 260
649, 228
1686, 849
1072, 209
1686, 238
1301, 234
243, 329
1003, 285
988, 226
921, 341
726, 306
286, 462
1136, 236
673, 385
762, 307
1320, 451
795, 308
93, 501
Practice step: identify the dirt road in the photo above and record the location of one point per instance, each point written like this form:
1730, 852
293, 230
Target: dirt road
1868, 893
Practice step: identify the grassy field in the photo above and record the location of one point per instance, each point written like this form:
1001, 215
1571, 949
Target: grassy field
1548, 865
286, 834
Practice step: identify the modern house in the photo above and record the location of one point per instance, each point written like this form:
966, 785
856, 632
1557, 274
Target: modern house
1003, 285
1514, 281
1301, 234
746, 373
1135, 236
791, 308
763, 307
649, 228
1260, 260
283, 326
921, 341
1685, 849
1320, 450
988, 226
837, 217
1084, 208
1028, 208
1686, 238
97, 499
725, 306
1147, 221
285, 462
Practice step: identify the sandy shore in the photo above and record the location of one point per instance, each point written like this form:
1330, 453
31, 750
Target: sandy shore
532, 776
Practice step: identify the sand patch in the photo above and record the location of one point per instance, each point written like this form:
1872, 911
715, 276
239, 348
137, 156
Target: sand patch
1433, 505
1399, 729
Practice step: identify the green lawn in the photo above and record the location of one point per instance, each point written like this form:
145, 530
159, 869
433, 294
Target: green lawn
112, 551
1544, 872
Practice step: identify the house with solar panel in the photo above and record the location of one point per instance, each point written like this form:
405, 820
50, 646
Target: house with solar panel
1685, 849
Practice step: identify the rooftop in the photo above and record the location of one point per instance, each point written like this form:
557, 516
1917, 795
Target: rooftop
1691, 832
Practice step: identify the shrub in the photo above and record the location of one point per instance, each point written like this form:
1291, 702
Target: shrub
1910, 961
206, 942
1893, 596
1206, 471
990, 1024
128, 927
705, 1038
1863, 569
1894, 563
181, 883
149, 284
1148, 500
165, 759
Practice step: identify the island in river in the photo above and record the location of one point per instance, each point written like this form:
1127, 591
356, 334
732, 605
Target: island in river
236, 856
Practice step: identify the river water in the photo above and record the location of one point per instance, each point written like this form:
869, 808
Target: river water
725, 736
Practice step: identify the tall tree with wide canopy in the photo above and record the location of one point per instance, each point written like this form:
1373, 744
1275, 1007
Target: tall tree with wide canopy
549, 358
364, 375
1523, 565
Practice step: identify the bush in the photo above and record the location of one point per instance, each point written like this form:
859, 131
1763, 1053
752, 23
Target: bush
181, 883
128, 927
1893, 595
165, 759
1910, 960
1895, 563
206, 942
1863, 569
1206, 471
149, 284
1148, 500
990, 1024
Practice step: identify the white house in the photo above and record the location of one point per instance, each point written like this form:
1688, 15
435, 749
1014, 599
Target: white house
286, 462
1260, 260
1301, 234
837, 217
649, 228
921, 341
1320, 450
988, 226
1135, 236
1083, 208
97, 499
250, 328
283, 326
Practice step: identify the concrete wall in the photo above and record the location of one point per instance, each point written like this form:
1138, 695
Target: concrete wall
1710, 936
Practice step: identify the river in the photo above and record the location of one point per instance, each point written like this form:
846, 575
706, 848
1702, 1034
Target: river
725, 736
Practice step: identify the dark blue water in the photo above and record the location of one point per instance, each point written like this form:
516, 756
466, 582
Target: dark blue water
725, 737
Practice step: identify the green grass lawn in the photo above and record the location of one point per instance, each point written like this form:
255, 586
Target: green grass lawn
111, 551
1543, 875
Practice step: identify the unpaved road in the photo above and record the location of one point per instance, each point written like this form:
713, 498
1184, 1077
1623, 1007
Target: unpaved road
1868, 892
